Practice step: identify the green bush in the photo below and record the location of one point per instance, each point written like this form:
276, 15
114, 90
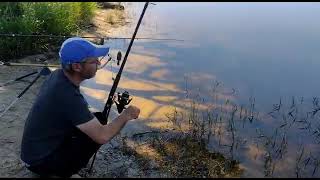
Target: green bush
87, 12
10, 9
55, 18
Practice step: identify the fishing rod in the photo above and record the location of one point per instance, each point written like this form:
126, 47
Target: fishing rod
27, 64
107, 107
55, 65
93, 37
124, 98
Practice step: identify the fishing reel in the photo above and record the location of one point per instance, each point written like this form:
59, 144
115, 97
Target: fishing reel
123, 100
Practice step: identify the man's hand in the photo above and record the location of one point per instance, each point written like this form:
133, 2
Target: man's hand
132, 112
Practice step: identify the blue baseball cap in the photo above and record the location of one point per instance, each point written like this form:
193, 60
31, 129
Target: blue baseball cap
76, 49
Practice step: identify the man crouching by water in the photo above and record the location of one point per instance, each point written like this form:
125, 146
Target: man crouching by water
60, 133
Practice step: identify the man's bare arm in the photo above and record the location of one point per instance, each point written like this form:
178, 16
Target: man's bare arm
101, 134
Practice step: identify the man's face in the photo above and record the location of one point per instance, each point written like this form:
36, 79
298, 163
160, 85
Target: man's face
89, 67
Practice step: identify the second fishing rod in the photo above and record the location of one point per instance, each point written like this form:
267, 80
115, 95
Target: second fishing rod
50, 36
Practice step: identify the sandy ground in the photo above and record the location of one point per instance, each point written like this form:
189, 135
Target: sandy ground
110, 161
12, 122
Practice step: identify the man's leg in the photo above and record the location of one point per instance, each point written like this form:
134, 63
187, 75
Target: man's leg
82, 149
73, 155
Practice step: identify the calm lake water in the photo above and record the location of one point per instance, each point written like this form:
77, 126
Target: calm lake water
264, 51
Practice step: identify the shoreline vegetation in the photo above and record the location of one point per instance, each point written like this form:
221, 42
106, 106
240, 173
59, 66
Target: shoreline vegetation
46, 18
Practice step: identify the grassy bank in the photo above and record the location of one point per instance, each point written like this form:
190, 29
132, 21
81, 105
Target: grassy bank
282, 142
53, 18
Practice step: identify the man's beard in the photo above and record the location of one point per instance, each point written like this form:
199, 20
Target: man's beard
88, 75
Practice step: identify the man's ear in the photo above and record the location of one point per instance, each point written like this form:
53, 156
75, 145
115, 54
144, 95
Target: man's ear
76, 67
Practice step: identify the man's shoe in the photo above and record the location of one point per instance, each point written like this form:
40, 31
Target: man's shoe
76, 176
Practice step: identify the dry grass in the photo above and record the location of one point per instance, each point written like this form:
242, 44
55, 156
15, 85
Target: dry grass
115, 16
187, 157
177, 154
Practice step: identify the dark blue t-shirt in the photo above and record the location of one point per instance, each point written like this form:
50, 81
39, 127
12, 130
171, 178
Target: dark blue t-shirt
58, 108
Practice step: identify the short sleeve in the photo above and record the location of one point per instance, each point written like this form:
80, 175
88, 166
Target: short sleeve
78, 111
